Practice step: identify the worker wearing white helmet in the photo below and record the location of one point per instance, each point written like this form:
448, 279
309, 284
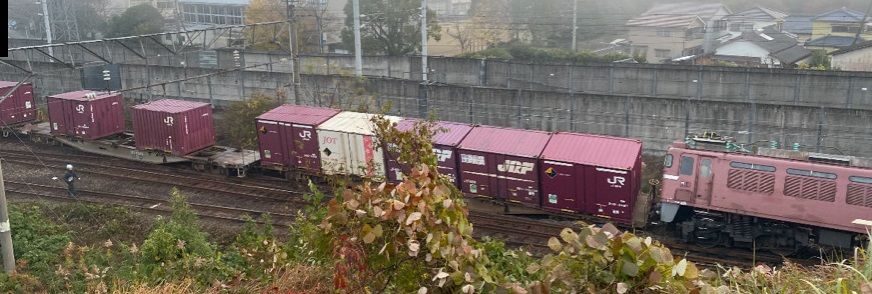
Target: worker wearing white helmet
71, 178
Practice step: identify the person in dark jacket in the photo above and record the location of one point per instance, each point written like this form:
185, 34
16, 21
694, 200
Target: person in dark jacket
70, 177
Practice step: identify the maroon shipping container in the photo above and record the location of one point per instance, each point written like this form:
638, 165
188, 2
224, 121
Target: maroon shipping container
20, 106
445, 140
591, 174
287, 136
173, 126
86, 114
502, 163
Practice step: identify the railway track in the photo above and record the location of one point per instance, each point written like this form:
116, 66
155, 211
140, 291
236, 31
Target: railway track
517, 231
140, 203
159, 177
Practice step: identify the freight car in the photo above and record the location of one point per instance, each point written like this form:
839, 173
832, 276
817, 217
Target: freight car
778, 200
18, 108
166, 131
588, 175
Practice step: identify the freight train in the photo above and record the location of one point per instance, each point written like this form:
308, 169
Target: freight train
711, 195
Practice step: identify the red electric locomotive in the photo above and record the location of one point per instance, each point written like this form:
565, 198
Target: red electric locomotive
780, 200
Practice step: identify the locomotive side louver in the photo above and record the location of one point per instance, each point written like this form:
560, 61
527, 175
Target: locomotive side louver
751, 181
860, 195
812, 189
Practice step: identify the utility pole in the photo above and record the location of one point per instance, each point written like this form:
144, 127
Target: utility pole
862, 24
423, 89
5, 230
47, 23
295, 72
574, 24
318, 15
358, 59
424, 69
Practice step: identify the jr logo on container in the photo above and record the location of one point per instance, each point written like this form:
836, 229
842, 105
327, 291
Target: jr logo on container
616, 181
306, 135
169, 120
516, 167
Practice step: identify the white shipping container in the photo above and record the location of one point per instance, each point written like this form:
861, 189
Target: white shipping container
347, 145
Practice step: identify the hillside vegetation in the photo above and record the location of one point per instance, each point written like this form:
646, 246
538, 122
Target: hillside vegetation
413, 237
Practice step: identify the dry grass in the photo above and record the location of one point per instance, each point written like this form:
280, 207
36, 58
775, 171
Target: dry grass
295, 280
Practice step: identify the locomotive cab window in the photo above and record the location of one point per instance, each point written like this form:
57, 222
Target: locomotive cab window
686, 166
811, 173
705, 168
667, 162
861, 180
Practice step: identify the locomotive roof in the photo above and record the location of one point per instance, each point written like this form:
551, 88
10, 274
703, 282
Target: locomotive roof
603, 151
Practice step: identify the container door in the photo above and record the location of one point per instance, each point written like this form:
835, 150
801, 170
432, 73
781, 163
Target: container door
446, 162
27, 104
333, 149
686, 178
611, 193
304, 147
520, 179
270, 141
475, 175
704, 180
81, 118
561, 186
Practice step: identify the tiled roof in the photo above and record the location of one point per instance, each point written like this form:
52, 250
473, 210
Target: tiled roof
676, 14
832, 41
798, 24
859, 46
758, 13
221, 2
840, 15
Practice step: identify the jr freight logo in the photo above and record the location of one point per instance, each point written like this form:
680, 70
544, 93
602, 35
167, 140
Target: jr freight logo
80, 108
516, 167
169, 121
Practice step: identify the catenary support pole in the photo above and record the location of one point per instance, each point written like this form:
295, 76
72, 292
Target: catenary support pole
574, 24
5, 230
424, 69
292, 34
46, 21
358, 59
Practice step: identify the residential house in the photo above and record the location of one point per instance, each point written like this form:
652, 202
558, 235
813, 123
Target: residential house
213, 12
798, 25
167, 8
448, 9
754, 19
668, 31
837, 29
767, 47
856, 58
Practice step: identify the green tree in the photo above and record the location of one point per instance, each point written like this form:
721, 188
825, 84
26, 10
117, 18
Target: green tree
820, 60
136, 20
389, 27
239, 119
